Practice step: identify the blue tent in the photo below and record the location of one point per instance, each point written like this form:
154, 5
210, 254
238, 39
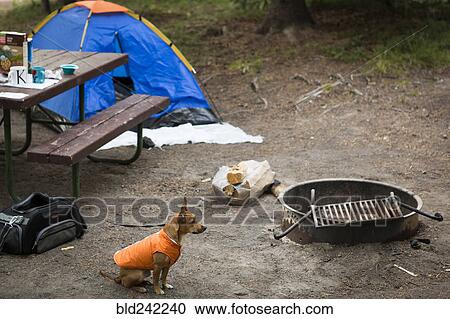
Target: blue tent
155, 67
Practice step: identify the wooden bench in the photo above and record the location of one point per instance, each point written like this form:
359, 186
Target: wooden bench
83, 139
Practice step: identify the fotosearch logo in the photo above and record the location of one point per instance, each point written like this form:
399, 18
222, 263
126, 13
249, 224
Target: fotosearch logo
156, 211
212, 210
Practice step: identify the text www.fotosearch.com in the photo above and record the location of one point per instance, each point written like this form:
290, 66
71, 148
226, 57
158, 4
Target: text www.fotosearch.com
244, 309
168, 308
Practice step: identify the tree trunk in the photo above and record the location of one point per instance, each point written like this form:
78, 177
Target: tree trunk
65, 2
283, 14
46, 6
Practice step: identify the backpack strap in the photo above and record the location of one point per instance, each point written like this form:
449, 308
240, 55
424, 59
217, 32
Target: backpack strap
7, 218
3, 234
7, 228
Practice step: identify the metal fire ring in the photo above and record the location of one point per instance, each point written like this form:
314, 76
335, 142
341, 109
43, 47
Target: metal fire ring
367, 231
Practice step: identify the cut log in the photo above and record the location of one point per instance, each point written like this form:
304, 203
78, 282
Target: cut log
259, 177
237, 191
237, 173
230, 191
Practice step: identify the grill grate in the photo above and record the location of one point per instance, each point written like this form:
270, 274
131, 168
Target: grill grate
355, 212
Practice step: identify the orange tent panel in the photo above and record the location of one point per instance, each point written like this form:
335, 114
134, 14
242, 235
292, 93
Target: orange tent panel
101, 6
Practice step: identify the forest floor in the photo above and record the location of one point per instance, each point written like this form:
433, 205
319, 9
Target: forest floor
387, 127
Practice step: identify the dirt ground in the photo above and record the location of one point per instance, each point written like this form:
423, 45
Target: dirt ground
393, 130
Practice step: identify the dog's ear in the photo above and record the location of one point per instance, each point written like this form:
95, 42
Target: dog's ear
182, 214
184, 207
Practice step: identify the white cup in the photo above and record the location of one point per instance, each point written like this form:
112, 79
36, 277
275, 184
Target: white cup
18, 75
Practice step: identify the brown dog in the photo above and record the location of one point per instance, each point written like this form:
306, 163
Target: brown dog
157, 252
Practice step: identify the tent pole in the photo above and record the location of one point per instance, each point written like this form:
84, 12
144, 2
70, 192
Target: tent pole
85, 30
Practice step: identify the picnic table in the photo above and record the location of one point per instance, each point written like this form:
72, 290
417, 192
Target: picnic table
100, 129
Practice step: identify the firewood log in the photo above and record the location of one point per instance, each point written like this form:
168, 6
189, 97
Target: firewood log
237, 173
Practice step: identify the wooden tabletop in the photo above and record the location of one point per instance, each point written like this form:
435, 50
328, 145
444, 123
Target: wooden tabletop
91, 65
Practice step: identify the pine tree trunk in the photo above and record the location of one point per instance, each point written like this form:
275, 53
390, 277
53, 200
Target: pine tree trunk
46, 6
283, 14
65, 2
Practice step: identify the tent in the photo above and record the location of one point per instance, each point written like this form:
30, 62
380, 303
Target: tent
155, 66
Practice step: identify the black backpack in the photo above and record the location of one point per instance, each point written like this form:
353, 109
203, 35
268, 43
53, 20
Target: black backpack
39, 223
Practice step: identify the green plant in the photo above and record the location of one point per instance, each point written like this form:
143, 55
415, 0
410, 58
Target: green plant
249, 65
427, 49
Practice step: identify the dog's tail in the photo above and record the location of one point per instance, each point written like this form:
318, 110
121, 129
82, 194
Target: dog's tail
108, 276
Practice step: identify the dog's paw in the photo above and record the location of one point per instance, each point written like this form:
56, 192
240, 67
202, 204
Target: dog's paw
167, 286
159, 292
141, 290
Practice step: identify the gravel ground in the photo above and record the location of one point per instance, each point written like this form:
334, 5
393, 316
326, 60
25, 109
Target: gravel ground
396, 131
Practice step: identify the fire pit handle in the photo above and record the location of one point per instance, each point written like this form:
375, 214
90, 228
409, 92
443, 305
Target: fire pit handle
287, 231
309, 213
436, 216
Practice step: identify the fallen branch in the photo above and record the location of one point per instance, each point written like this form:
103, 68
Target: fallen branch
300, 77
356, 91
405, 270
254, 85
266, 104
316, 92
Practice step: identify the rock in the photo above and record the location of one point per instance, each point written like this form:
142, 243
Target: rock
240, 293
415, 244
424, 240
147, 143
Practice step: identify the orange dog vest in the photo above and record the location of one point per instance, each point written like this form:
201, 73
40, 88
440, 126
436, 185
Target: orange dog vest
140, 255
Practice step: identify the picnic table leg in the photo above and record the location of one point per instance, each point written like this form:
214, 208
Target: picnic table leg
76, 167
81, 101
28, 135
76, 180
8, 155
137, 153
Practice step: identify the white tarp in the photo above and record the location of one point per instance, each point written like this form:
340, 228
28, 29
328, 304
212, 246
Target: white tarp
187, 133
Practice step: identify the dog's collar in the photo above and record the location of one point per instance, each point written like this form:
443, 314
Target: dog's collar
170, 238
173, 241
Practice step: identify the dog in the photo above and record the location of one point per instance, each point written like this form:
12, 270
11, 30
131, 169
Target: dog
156, 253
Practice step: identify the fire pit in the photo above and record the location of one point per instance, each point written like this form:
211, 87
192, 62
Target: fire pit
349, 211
